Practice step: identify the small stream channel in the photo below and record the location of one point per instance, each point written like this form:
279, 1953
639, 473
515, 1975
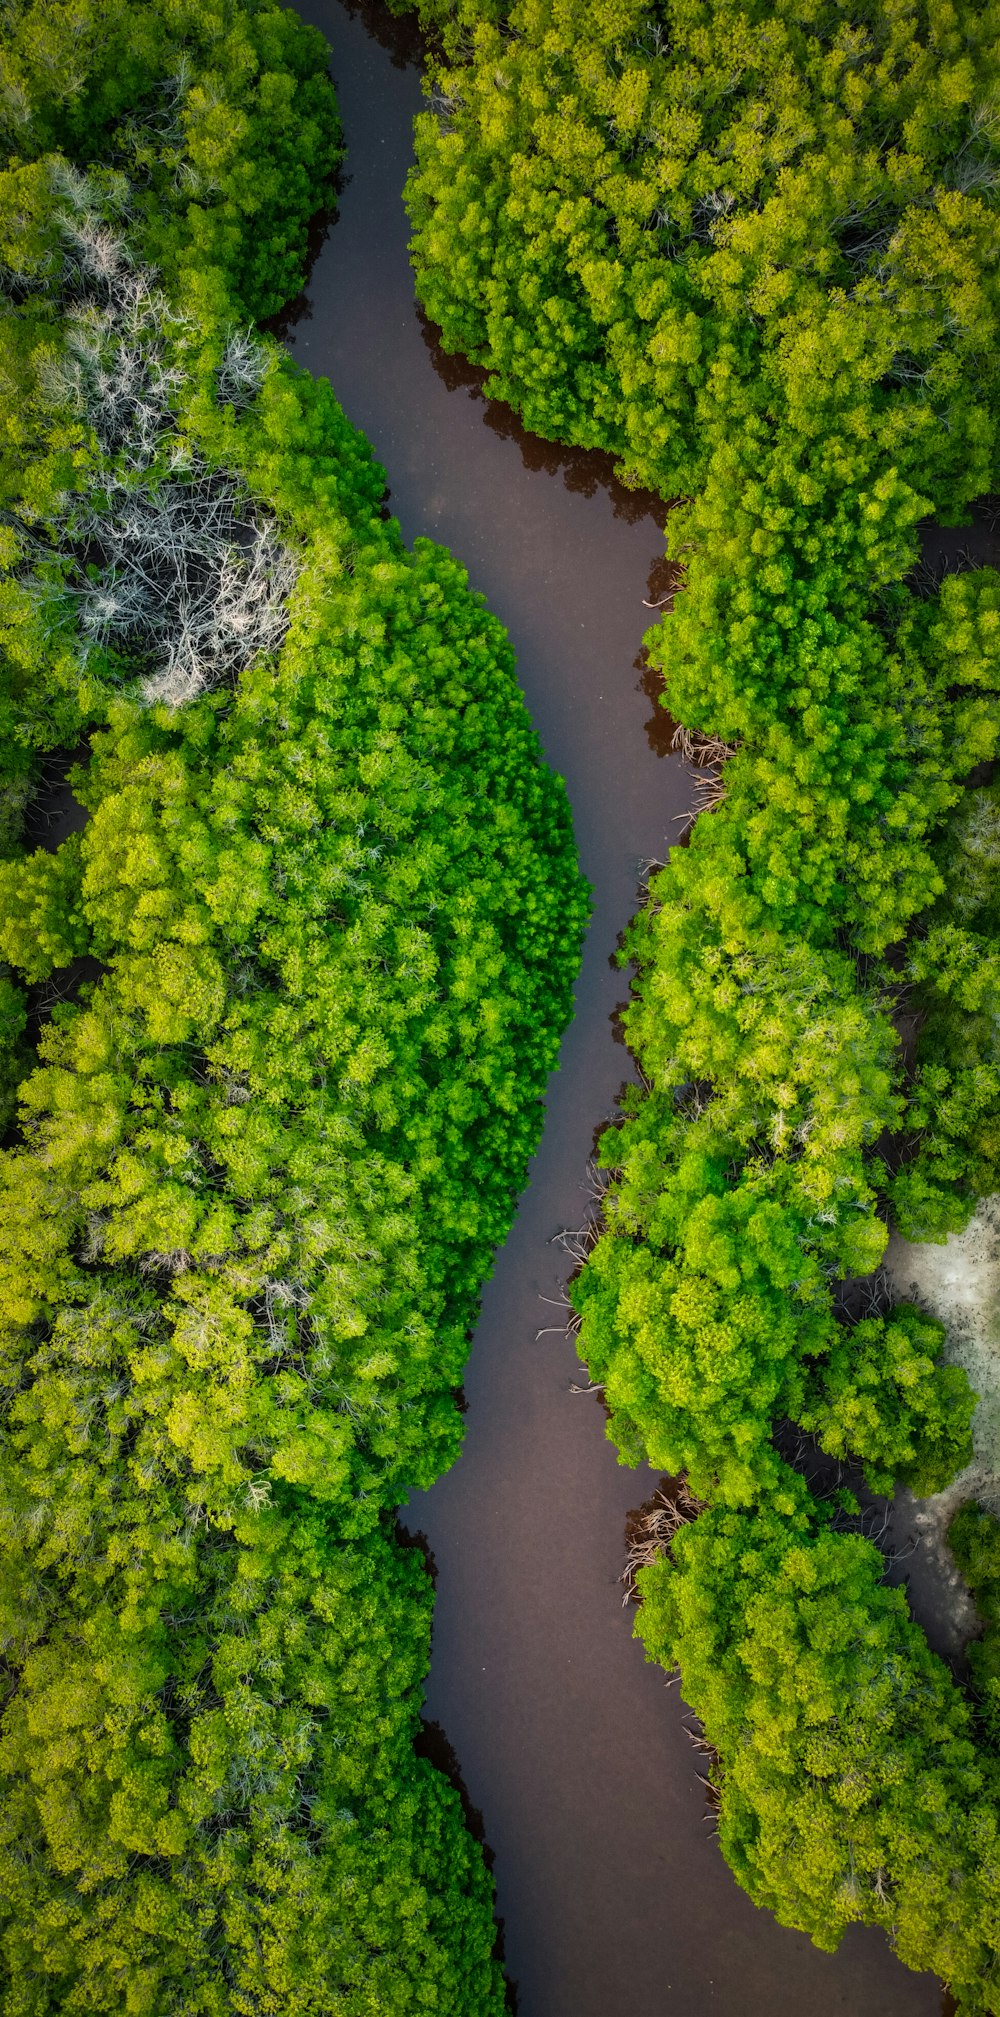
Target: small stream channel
615, 1899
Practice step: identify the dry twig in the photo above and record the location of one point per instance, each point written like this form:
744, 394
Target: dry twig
653, 1528
169, 563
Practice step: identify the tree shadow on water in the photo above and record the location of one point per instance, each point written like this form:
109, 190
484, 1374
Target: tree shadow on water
584, 471
661, 727
432, 1743
300, 308
398, 34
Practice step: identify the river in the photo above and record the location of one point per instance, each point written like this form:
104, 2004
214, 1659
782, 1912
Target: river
614, 1896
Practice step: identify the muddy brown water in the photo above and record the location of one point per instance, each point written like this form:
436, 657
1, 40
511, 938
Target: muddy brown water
614, 1897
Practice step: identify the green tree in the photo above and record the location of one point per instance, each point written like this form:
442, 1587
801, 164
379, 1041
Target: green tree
265, 1158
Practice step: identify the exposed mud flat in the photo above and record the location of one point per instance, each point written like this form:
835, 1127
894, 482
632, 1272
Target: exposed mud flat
958, 1282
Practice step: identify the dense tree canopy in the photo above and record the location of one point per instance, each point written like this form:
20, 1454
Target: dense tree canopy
295, 991
753, 251
853, 1788
313, 952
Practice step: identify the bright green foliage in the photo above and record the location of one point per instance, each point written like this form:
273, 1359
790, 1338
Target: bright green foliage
698, 235
742, 1184
752, 250
333, 885
974, 1540
881, 1396
852, 1785
733, 1212
265, 1158
955, 1099
14, 1055
212, 1803
856, 734
220, 112
659, 225
41, 923
699, 1349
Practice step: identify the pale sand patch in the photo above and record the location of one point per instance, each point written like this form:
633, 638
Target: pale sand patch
959, 1283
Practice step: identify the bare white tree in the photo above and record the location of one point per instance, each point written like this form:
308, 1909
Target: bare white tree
172, 565
243, 369
186, 577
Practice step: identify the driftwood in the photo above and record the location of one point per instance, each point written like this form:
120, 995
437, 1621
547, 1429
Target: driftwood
652, 1529
704, 751
707, 755
650, 1533
171, 564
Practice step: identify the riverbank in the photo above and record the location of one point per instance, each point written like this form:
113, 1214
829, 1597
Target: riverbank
959, 1284
611, 1887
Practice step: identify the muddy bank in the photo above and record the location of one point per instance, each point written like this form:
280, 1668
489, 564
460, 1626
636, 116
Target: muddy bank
959, 1283
615, 1899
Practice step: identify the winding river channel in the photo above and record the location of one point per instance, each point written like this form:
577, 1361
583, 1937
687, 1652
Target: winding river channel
614, 1897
